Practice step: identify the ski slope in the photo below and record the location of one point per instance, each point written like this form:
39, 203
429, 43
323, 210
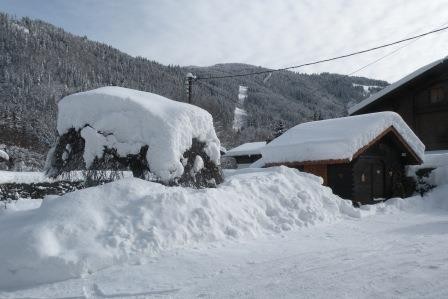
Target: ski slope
240, 115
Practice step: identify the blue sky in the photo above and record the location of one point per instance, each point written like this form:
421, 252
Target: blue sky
261, 32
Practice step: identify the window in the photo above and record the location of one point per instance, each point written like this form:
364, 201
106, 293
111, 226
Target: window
436, 95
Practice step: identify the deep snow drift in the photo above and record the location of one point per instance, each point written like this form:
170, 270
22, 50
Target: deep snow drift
128, 220
126, 120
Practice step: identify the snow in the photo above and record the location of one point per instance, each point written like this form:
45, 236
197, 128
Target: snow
438, 160
128, 119
239, 118
198, 164
247, 149
336, 139
240, 115
28, 177
131, 220
394, 86
20, 28
366, 88
23, 177
4, 155
398, 252
222, 149
435, 158
19, 205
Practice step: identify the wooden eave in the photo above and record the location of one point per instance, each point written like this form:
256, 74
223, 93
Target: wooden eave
391, 129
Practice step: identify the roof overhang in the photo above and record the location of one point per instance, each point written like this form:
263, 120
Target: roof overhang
394, 87
416, 160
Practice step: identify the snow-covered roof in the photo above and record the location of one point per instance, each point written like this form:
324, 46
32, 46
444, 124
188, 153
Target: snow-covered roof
394, 86
128, 119
4, 155
337, 139
247, 149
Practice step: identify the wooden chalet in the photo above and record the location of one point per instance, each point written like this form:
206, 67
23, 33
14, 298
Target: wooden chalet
246, 153
361, 158
421, 99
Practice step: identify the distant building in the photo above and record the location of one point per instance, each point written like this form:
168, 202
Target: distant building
421, 98
361, 158
246, 154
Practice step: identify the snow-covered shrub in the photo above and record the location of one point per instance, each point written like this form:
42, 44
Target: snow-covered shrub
114, 128
423, 184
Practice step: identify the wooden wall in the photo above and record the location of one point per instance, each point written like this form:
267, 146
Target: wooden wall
319, 170
423, 104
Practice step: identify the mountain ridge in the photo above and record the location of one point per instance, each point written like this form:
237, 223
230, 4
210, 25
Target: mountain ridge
41, 63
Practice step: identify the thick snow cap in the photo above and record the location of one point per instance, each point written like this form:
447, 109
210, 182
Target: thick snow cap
129, 119
247, 149
337, 139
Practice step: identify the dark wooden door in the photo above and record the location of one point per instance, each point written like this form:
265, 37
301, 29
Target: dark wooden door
377, 170
368, 178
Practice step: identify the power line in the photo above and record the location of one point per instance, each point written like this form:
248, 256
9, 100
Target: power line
387, 55
328, 59
381, 58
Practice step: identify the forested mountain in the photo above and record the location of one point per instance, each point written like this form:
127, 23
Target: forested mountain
40, 63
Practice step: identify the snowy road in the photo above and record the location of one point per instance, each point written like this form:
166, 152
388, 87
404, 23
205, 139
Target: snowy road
399, 255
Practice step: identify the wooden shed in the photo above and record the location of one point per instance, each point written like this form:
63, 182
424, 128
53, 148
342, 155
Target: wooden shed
421, 99
361, 158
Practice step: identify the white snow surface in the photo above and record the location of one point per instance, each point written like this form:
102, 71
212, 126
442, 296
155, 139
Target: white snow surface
435, 159
394, 86
4, 155
131, 220
127, 119
397, 252
23, 177
27, 177
335, 139
250, 148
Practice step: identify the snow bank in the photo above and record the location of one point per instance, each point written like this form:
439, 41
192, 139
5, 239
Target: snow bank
439, 176
434, 201
336, 139
128, 220
3, 155
127, 119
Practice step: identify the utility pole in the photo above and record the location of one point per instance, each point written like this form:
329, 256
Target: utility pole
189, 85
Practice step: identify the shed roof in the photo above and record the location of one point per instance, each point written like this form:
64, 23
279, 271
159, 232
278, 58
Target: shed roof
339, 139
374, 97
247, 149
